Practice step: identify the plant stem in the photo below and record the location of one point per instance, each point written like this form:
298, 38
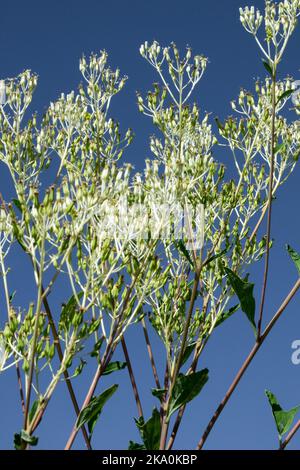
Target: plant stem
34, 341
66, 374
8, 307
20, 388
176, 427
132, 378
262, 216
166, 386
110, 348
150, 353
103, 364
182, 409
290, 435
98, 373
51, 387
60, 356
165, 424
247, 362
270, 197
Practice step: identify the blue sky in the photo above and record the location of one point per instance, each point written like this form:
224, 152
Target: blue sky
49, 38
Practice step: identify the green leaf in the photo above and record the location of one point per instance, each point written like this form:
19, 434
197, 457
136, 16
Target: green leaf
244, 292
71, 304
92, 411
268, 67
296, 155
226, 315
33, 410
150, 430
187, 352
97, 347
24, 437
18, 234
216, 256
283, 419
79, 368
135, 446
12, 296
284, 95
158, 392
17, 441
17, 204
186, 388
181, 247
69, 309
279, 147
64, 244
295, 257
114, 366
32, 440
219, 124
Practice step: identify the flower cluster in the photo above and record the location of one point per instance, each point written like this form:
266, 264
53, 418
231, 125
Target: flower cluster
280, 21
130, 247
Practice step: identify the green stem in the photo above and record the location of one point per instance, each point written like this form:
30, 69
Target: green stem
34, 338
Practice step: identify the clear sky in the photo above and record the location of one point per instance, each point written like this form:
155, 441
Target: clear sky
49, 37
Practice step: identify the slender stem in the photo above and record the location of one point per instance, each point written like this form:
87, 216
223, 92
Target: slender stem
229, 392
110, 348
132, 378
164, 429
290, 435
21, 391
60, 356
182, 409
66, 374
176, 427
247, 362
150, 353
186, 327
262, 216
34, 341
165, 424
106, 358
90, 393
51, 387
7, 300
166, 386
270, 197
